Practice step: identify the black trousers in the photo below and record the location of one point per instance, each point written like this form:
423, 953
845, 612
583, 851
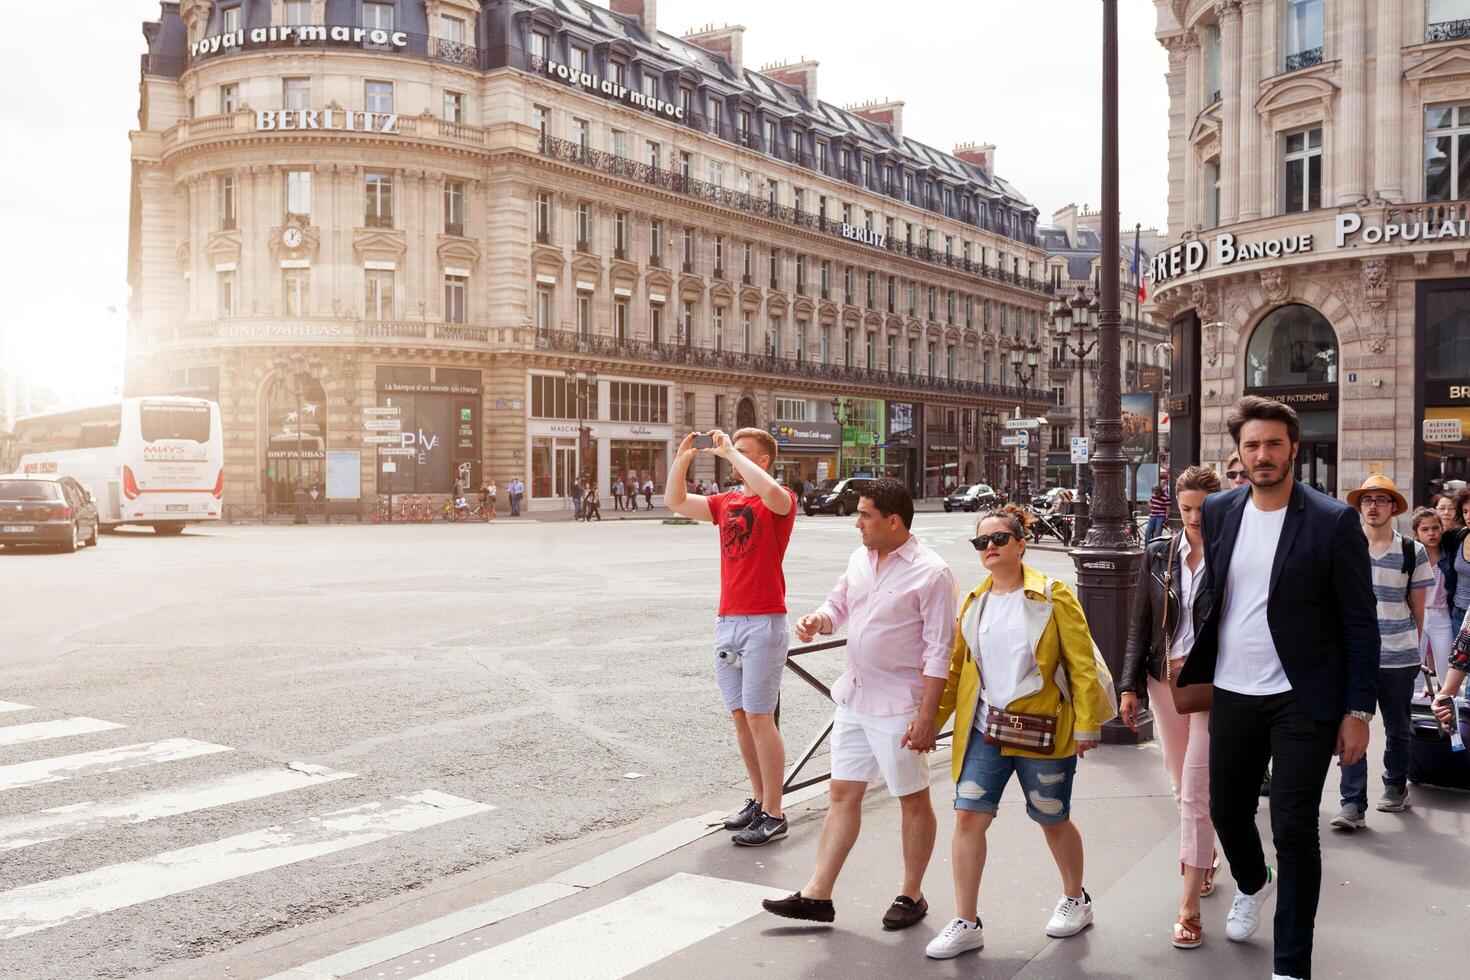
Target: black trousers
1246, 731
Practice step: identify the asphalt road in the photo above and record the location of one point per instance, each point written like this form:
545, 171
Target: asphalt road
465, 693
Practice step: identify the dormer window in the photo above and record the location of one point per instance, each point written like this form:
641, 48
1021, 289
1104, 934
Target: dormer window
540, 45
578, 58
650, 84
377, 16
230, 21
296, 13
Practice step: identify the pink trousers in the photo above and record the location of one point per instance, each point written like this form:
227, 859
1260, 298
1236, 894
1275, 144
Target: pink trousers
1186, 740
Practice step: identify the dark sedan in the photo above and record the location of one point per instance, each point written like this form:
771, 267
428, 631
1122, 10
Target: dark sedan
838, 497
46, 509
971, 498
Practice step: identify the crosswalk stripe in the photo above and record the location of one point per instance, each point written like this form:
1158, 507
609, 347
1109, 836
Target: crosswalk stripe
32, 908
64, 767
68, 821
12, 706
621, 937
40, 730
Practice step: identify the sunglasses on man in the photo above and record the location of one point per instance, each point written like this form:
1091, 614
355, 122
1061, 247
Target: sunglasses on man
1000, 539
1236, 474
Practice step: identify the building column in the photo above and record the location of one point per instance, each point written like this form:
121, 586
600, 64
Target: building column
1249, 120
1230, 176
1387, 108
1350, 137
1179, 151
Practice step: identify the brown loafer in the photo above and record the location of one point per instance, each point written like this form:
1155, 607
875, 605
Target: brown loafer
798, 906
904, 912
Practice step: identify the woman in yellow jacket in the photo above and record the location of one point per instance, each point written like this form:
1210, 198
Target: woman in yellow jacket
1036, 654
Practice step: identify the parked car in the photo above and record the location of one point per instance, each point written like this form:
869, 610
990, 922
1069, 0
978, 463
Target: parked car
46, 509
972, 498
838, 497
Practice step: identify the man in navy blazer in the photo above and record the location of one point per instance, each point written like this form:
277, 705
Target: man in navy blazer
1291, 646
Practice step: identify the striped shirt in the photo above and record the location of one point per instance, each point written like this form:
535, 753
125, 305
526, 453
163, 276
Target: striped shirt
1400, 636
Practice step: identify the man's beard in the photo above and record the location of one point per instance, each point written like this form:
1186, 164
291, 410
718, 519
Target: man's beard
1265, 485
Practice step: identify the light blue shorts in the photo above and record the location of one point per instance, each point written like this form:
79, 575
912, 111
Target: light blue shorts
759, 643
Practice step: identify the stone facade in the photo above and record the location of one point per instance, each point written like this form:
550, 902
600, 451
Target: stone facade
563, 250
1305, 172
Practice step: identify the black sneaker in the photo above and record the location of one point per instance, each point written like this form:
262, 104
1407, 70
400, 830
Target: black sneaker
798, 906
762, 831
742, 818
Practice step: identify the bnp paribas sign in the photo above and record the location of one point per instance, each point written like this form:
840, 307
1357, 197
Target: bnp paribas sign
304, 34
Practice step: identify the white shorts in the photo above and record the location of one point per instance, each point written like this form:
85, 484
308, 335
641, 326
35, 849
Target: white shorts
865, 747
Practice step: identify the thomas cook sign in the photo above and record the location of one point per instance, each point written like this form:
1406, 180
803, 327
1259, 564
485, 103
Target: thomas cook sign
305, 34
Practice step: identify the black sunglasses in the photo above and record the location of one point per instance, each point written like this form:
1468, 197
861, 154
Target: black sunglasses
1001, 539
1235, 474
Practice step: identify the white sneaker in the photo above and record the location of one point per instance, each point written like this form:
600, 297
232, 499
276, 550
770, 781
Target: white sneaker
956, 938
1245, 912
1282, 976
1071, 917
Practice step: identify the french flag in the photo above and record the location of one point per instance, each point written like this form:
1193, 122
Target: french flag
1138, 267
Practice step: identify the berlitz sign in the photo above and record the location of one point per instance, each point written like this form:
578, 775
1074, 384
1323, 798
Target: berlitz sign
611, 89
867, 236
305, 34
347, 120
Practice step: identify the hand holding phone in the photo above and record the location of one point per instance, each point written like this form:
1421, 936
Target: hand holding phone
703, 441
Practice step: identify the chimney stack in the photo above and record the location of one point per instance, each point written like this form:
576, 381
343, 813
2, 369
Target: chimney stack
801, 76
727, 41
981, 155
887, 112
645, 12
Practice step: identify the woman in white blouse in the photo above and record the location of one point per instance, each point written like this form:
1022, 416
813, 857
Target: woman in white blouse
1165, 616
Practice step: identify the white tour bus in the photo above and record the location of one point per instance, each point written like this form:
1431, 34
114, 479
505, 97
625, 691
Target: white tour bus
157, 461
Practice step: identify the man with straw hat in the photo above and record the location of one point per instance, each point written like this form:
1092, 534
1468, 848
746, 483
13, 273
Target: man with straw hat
1401, 574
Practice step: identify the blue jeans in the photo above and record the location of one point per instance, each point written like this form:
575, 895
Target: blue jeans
1154, 528
576, 508
1395, 691
1046, 783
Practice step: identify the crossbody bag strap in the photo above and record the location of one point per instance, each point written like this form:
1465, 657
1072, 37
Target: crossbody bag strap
1167, 629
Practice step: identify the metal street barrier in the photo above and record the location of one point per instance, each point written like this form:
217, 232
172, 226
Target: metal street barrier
791, 782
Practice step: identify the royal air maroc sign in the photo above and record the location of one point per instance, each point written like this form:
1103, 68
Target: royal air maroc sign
612, 90
305, 34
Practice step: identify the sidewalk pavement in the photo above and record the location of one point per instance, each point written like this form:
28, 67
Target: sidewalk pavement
660, 512
683, 902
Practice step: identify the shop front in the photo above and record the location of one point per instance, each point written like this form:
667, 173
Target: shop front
438, 414
605, 451
862, 453
1442, 330
1292, 357
806, 451
901, 452
942, 469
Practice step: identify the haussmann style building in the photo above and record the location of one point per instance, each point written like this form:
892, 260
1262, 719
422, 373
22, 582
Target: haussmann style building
1319, 247
481, 239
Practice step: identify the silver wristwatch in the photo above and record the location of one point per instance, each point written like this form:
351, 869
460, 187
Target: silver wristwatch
1366, 717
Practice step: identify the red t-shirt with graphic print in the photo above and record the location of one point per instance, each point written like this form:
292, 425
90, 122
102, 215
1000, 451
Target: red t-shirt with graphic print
752, 547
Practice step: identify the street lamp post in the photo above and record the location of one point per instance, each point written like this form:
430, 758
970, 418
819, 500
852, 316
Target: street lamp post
1023, 362
841, 414
582, 389
1069, 316
1107, 562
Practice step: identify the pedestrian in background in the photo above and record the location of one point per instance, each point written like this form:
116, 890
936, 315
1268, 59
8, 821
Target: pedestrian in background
1457, 542
648, 491
1172, 597
751, 633
513, 489
1158, 509
1293, 657
1438, 639
1020, 635
576, 493
591, 503
1401, 577
1235, 473
617, 494
897, 600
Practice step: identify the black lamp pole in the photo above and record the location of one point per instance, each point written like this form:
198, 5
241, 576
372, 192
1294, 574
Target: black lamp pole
1068, 317
1107, 562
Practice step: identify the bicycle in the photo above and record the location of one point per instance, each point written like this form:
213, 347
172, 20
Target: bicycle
384, 509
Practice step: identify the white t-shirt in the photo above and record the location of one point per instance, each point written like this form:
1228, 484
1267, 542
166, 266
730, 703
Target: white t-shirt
1248, 662
1005, 650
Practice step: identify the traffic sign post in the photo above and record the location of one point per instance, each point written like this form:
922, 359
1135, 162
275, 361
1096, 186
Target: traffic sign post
1081, 452
382, 410
1443, 430
1023, 423
382, 425
1019, 439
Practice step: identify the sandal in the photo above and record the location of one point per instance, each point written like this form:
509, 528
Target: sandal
1208, 888
1189, 933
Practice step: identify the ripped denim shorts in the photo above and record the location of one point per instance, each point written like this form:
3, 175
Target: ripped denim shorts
1047, 783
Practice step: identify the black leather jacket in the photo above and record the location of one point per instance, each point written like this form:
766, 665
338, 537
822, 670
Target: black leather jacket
1146, 639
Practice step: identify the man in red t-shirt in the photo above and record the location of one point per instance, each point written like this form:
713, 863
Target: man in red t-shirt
751, 634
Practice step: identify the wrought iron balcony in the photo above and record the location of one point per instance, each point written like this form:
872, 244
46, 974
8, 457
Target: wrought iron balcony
422, 46
371, 220
608, 163
568, 341
1304, 59
1447, 30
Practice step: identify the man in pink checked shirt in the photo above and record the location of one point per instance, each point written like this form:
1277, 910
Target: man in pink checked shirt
897, 599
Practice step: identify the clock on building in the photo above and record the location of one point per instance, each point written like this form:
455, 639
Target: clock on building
291, 238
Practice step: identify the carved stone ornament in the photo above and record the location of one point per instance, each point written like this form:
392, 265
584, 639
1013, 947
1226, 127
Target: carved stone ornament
1203, 301
1377, 280
1276, 283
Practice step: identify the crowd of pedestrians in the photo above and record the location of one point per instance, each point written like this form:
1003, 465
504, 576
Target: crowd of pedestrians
1268, 630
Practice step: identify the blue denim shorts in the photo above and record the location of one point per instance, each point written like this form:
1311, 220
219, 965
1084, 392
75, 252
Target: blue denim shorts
1047, 783
758, 644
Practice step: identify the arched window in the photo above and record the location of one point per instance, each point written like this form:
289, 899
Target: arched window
1293, 345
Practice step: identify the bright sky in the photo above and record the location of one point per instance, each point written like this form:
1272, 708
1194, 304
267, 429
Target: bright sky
1021, 75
